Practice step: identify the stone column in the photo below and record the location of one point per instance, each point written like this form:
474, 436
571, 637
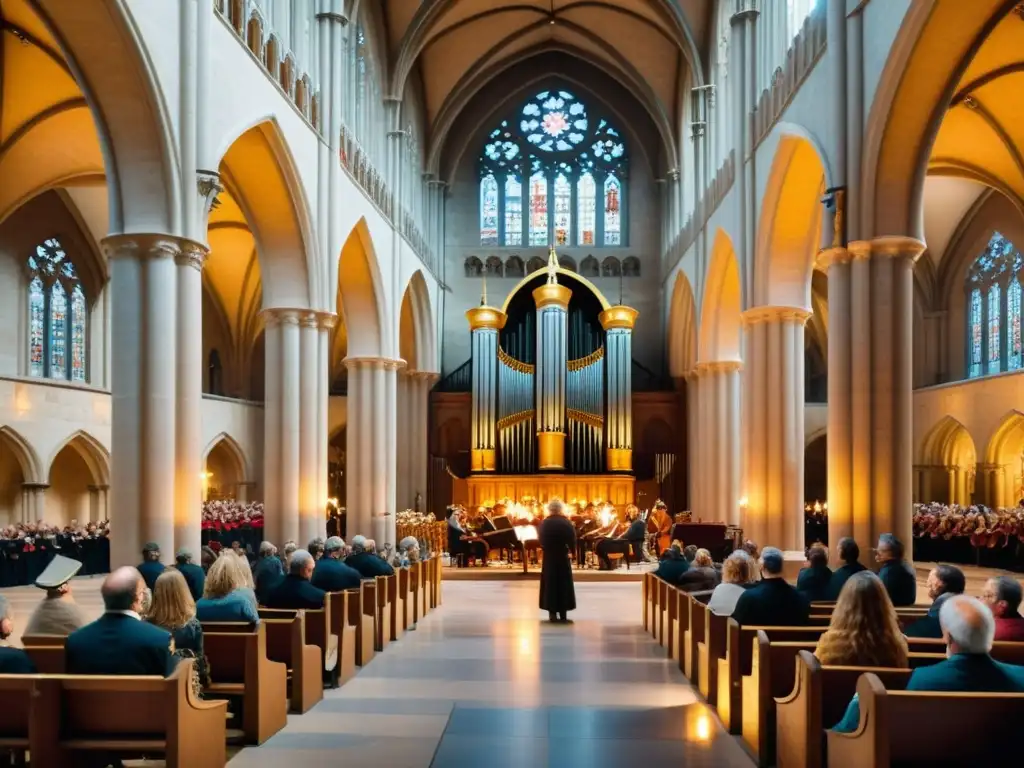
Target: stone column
774, 426
98, 503
33, 502
618, 324
715, 484
870, 363
312, 503
694, 454
327, 321
552, 302
143, 284
282, 425
243, 491
406, 437
484, 324
424, 382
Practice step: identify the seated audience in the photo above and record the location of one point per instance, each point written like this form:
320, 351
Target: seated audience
151, 567
813, 581
943, 582
772, 601
968, 628
225, 596
172, 608
896, 573
246, 570
751, 549
207, 557
119, 642
13, 661
289, 548
316, 548
737, 577
58, 613
294, 591
849, 554
690, 552
332, 575
864, 630
365, 560
672, 565
407, 553
1003, 595
195, 577
702, 576
268, 571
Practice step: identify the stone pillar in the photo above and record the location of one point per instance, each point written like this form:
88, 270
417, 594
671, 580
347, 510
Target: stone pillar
552, 302
282, 425
327, 321
143, 283
421, 450
716, 487
406, 437
774, 426
244, 490
98, 503
484, 324
694, 454
618, 324
312, 503
870, 364
33, 502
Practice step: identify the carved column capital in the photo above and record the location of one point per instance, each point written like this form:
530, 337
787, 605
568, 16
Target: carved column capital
209, 186
142, 246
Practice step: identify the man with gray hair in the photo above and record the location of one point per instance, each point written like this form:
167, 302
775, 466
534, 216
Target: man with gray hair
268, 571
332, 575
408, 551
365, 560
968, 628
294, 591
772, 601
13, 661
896, 574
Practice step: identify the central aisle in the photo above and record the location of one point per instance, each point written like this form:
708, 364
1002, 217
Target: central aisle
485, 682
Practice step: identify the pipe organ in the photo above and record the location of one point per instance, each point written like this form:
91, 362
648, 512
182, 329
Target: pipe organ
551, 380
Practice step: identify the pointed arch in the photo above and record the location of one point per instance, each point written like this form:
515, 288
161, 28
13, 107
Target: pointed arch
789, 233
92, 452
231, 448
28, 459
360, 295
682, 328
1005, 451
948, 443
720, 307
417, 342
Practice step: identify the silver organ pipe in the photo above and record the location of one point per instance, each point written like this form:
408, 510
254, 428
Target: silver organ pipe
585, 412
516, 419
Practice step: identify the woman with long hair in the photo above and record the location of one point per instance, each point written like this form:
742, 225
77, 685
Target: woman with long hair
864, 630
702, 574
172, 608
737, 574
225, 594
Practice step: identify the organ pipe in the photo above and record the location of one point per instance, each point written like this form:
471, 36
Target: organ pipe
618, 324
552, 302
484, 324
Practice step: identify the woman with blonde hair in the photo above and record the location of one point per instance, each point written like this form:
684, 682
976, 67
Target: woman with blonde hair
225, 594
702, 575
864, 631
737, 574
172, 608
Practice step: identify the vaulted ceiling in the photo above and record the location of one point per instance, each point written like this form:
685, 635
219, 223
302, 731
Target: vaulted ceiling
459, 46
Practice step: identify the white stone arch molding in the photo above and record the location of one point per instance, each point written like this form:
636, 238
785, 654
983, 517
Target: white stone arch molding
95, 455
104, 51
424, 326
234, 450
682, 326
26, 455
364, 308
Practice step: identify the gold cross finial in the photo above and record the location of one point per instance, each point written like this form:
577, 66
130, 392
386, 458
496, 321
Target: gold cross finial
552, 267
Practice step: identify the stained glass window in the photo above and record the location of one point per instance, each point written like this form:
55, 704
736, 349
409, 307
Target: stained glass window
993, 329
513, 210
489, 210
555, 138
1013, 338
586, 201
975, 364
58, 316
538, 209
563, 209
612, 212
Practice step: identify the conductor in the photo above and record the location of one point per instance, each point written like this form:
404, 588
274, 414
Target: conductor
557, 538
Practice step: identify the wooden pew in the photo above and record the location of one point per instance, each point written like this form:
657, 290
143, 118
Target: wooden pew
344, 626
926, 728
645, 597
672, 622
317, 628
697, 605
436, 561
418, 604
660, 601
363, 615
406, 613
375, 599
49, 659
711, 649
286, 643
17, 693
387, 595
72, 716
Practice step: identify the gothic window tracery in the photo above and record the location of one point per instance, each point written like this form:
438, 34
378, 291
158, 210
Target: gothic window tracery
994, 309
57, 312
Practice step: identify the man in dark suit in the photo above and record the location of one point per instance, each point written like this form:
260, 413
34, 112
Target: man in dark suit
364, 559
119, 642
151, 567
268, 571
849, 554
672, 565
772, 601
332, 575
629, 543
812, 581
968, 628
195, 576
897, 575
13, 661
294, 591
944, 581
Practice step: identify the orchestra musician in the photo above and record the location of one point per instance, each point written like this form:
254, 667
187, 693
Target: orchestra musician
586, 524
460, 540
659, 522
630, 542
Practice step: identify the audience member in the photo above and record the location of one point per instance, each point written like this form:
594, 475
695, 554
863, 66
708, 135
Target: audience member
751, 549
289, 548
407, 552
702, 576
968, 628
1003, 595
173, 609
772, 601
737, 577
58, 613
690, 552
629, 544
316, 548
364, 559
294, 591
897, 575
849, 555
332, 575
151, 567
246, 570
13, 661
864, 630
268, 571
119, 642
195, 577
813, 581
225, 596
207, 557
943, 582
672, 565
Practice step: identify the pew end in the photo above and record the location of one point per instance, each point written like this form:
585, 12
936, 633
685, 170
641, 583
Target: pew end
286, 643
344, 628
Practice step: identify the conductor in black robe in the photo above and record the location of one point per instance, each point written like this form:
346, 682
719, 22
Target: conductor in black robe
557, 538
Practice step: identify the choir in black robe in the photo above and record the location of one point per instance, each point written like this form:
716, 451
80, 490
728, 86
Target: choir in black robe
557, 538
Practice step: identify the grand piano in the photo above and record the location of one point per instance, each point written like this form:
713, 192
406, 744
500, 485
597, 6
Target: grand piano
499, 533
